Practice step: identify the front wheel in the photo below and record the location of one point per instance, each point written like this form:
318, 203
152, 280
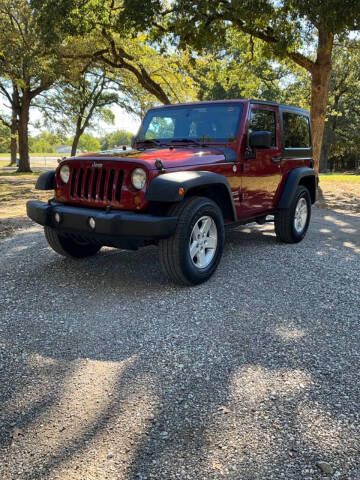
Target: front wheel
193, 253
291, 223
70, 246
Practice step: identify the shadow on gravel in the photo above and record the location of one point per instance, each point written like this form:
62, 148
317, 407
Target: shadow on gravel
109, 372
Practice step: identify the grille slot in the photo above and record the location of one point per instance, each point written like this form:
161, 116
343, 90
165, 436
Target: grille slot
102, 184
79, 183
87, 182
91, 184
110, 185
73, 182
94, 183
118, 186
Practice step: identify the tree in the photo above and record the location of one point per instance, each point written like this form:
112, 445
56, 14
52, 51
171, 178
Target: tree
88, 143
77, 103
10, 121
45, 142
116, 139
4, 138
302, 31
96, 34
28, 66
342, 136
233, 70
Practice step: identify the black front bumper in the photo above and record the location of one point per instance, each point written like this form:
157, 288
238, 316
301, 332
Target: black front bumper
124, 229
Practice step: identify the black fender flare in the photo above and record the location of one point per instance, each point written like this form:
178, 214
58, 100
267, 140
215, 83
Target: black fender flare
165, 187
46, 181
292, 182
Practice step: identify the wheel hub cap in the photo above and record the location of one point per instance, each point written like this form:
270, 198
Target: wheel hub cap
203, 242
301, 215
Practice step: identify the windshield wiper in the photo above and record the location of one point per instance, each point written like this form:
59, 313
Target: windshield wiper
188, 140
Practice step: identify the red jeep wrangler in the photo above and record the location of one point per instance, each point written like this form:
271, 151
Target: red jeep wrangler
194, 168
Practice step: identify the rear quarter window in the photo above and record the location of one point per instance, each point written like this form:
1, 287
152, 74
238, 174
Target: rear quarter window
296, 130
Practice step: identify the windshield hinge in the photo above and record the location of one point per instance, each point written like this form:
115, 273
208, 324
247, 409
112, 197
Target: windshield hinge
159, 165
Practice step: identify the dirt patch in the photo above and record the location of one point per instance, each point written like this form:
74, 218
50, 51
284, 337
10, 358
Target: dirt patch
15, 191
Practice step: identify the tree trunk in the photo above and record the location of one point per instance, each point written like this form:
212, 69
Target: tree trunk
320, 76
24, 164
75, 143
13, 142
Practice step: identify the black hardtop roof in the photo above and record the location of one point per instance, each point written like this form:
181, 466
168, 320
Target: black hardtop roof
281, 105
237, 100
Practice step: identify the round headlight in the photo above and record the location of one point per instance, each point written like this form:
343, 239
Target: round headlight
138, 178
65, 173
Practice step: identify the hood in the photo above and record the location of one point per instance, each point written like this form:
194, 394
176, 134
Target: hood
171, 157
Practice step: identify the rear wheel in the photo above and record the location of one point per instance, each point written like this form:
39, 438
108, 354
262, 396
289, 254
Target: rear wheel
70, 246
193, 253
292, 223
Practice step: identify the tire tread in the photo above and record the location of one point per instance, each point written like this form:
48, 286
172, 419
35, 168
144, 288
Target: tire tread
169, 249
284, 219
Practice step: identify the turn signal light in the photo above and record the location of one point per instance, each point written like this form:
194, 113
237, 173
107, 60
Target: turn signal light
137, 200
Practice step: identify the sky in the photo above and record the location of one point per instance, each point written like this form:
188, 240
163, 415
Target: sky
123, 121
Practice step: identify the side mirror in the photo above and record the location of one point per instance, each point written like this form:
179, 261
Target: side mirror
260, 140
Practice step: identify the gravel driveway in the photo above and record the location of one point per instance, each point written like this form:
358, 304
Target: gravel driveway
109, 372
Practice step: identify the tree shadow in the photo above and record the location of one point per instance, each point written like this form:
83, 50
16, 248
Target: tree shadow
112, 373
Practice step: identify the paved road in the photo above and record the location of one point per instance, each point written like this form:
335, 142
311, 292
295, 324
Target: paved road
109, 372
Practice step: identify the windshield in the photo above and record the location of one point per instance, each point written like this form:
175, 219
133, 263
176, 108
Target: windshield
201, 123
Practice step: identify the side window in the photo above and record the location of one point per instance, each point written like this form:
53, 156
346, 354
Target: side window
296, 130
160, 127
263, 120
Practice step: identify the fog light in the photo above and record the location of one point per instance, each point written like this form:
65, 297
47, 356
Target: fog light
57, 217
92, 222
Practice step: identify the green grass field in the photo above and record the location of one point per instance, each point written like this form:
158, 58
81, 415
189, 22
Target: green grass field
7, 155
339, 177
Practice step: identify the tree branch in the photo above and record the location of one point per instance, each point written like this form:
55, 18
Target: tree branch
264, 35
5, 122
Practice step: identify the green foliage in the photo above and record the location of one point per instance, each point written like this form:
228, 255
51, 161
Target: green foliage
28, 65
4, 138
286, 25
98, 33
24, 58
88, 143
342, 134
45, 142
116, 139
76, 104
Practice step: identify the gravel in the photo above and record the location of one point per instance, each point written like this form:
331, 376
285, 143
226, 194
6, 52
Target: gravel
110, 372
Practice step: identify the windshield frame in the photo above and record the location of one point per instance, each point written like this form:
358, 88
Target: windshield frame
196, 140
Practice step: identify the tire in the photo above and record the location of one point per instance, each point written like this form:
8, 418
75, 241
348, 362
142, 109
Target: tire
288, 227
197, 217
69, 247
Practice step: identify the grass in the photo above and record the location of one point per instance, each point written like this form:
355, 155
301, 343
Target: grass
339, 177
51, 154
340, 191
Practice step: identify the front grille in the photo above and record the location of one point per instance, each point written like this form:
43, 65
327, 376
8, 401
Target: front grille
96, 184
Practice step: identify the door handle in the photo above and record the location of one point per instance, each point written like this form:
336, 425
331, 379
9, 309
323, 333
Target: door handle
276, 159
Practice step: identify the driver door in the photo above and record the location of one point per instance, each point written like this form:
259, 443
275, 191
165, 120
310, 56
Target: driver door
261, 174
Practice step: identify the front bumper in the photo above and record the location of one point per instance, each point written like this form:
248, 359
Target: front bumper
115, 228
